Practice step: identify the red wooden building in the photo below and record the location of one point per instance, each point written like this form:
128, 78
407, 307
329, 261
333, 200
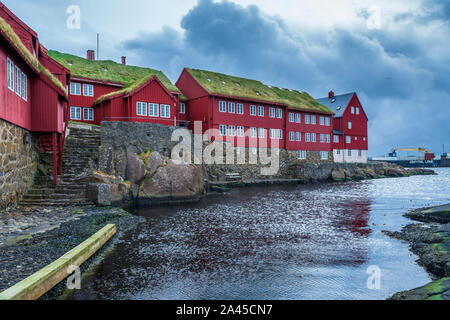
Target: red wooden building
109, 91
350, 141
248, 113
33, 95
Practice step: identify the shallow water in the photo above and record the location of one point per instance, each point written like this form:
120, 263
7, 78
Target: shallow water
284, 242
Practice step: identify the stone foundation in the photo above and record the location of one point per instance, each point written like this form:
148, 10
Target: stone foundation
18, 163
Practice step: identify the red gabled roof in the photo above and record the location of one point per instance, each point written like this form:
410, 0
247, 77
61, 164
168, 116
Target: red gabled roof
16, 18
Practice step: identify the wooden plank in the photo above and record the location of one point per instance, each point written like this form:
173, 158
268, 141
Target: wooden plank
45, 279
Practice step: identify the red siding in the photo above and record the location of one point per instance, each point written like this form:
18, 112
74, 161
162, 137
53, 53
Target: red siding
189, 86
47, 108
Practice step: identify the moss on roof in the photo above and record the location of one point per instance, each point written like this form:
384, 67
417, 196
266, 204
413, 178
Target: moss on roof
221, 84
107, 70
28, 56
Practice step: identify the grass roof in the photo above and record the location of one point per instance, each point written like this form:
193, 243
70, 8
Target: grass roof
107, 70
125, 91
28, 56
221, 84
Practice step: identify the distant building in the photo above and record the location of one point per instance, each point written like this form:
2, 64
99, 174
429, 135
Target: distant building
350, 140
247, 112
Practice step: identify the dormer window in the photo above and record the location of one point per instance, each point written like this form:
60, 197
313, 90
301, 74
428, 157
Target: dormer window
223, 82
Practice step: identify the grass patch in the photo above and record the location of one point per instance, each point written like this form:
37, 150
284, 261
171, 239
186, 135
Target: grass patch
83, 124
18, 239
222, 84
144, 157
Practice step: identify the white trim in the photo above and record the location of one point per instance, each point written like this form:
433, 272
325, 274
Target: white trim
260, 111
88, 90
24, 80
10, 74
253, 111
165, 111
240, 108
261, 133
301, 155
182, 108
153, 110
222, 106
75, 88
18, 84
76, 112
279, 113
240, 131
223, 130
90, 112
231, 107
141, 109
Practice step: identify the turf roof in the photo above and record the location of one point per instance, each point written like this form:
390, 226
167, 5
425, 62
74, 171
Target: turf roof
107, 70
29, 57
221, 84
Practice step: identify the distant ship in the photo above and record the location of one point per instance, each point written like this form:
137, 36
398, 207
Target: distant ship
424, 160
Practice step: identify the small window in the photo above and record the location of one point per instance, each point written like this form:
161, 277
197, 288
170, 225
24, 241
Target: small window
141, 109
322, 138
348, 139
261, 133
349, 153
271, 112
313, 137
338, 152
322, 121
360, 153
280, 134
353, 110
327, 121
88, 114
253, 132
349, 125
231, 107
313, 119
298, 118
291, 136
307, 137
75, 89
240, 108
18, 75
272, 133
298, 136
253, 110
280, 113
357, 110
182, 107
291, 117
222, 106
328, 138
364, 138
165, 111
10, 74
261, 111
24, 87
301, 155
75, 113
307, 119
88, 90
231, 131
223, 130
324, 155
153, 110
240, 131
336, 139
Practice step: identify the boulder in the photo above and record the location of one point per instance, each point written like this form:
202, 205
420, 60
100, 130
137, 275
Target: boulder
135, 168
338, 175
155, 161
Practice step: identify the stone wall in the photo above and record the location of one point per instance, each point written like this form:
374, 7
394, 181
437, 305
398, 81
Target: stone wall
18, 163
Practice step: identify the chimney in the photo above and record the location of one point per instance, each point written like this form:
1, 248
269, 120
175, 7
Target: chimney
330, 94
124, 60
91, 55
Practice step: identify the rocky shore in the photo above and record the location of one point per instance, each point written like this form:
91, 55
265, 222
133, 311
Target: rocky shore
31, 238
430, 241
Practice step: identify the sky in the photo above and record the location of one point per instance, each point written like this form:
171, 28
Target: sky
394, 54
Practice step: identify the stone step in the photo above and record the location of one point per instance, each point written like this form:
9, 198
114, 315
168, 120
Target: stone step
57, 203
53, 196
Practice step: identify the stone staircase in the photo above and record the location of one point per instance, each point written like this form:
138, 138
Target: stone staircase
80, 156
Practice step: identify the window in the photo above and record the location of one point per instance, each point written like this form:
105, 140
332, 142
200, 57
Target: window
280, 113
254, 150
327, 121
253, 110
75, 89
338, 152
222, 106
231, 131
322, 121
271, 112
240, 108
17, 75
307, 137
88, 90
336, 139
75, 113
328, 139
182, 108
261, 133
153, 110
253, 132
323, 155
298, 136
313, 119
272, 133
141, 109
297, 117
261, 111
240, 131
313, 137
348, 139
231, 107
10, 75
223, 130
356, 138
353, 110
364, 138
357, 110
280, 134
360, 153
301, 155
322, 138
307, 118
349, 125
291, 117
88, 114
349, 153
24, 87
165, 111
291, 136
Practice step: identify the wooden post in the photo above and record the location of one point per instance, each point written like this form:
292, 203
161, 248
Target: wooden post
55, 162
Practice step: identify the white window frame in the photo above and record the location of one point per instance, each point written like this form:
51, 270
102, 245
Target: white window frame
357, 110
328, 138
348, 139
272, 134
327, 121
350, 125
291, 136
17, 74
261, 133
279, 113
75, 89
313, 119
280, 134
253, 110
182, 108
298, 118
301, 155
165, 111
298, 136
360, 153
24, 80
231, 131
291, 117
272, 113
336, 139
10, 74
240, 108
322, 121
349, 152
260, 111
88, 90
307, 137
253, 132
353, 110
75, 111
153, 110
223, 130
313, 137
141, 109
90, 114
240, 131
322, 138
307, 119
323, 155
231, 107
222, 106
